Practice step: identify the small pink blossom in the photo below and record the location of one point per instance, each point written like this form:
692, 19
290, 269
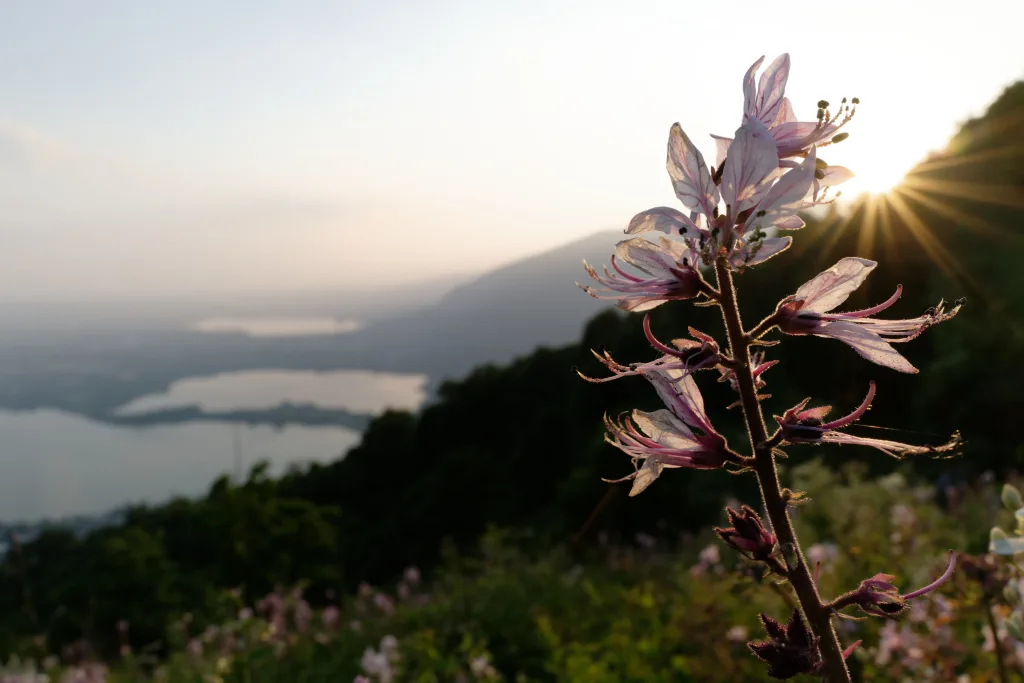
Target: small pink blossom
800, 424
807, 312
670, 265
666, 438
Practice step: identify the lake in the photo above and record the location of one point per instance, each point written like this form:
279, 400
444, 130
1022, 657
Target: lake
278, 327
54, 464
358, 391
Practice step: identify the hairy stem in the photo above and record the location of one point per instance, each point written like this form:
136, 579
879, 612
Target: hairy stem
817, 614
997, 648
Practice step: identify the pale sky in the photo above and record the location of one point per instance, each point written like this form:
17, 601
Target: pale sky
182, 147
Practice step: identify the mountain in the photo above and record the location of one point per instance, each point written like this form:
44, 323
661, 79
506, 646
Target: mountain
91, 370
494, 318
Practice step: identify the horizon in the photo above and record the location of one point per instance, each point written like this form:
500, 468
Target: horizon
178, 152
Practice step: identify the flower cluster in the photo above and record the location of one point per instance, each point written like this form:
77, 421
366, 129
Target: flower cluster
735, 211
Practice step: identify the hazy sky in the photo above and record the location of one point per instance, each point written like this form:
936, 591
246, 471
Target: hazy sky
181, 147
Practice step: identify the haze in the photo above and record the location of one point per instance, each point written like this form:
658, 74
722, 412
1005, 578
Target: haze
182, 148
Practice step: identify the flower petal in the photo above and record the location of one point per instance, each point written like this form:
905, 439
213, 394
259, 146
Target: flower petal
749, 89
791, 223
721, 148
770, 90
665, 428
868, 344
663, 219
836, 175
645, 476
646, 256
759, 252
691, 178
827, 290
750, 167
786, 196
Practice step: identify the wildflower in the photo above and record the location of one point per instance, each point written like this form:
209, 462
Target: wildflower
687, 356
800, 425
670, 265
481, 667
330, 617
747, 534
878, 596
757, 195
807, 312
412, 575
666, 438
767, 104
736, 634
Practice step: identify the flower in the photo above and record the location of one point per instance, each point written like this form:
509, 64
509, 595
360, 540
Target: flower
807, 312
670, 265
687, 356
666, 438
767, 104
757, 195
800, 425
878, 597
748, 534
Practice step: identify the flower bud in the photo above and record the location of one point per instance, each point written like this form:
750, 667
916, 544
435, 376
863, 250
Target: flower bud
1011, 497
748, 534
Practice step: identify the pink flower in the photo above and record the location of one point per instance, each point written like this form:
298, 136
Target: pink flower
684, 354
806, 425
670, 267
757, 195
767, 104
666, 438
878, 596
330, 617
807, 312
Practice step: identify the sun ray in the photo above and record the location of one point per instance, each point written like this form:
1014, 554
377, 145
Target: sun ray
937, 205
869, 225
945, 161
931, 245
980, 192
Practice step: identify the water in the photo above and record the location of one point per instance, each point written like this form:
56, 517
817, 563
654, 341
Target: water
358, 391
278, 327
54, 464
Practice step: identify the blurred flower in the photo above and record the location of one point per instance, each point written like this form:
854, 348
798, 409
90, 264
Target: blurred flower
737, 634
330, 616
412, 576
806, 312
481, 667
384, 603
822, 553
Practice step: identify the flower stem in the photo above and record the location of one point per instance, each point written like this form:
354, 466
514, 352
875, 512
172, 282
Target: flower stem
997, 648
818, 617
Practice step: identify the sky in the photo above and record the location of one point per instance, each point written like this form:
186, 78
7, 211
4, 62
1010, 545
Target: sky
193, 148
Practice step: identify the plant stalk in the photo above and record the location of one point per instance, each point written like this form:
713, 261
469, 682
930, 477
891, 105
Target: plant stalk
818, 617
997, 648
